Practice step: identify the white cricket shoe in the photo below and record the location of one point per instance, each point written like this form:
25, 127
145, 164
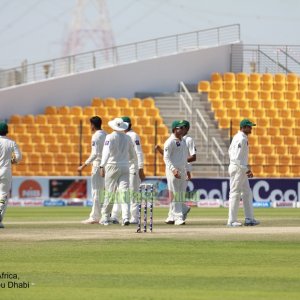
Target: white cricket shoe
104, 222
249, 222
125, 222
170, 221
89, 221
1, 225
179, 222
114, 221
234, 224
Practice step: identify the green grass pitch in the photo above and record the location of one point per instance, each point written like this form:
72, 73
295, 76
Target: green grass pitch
62, 259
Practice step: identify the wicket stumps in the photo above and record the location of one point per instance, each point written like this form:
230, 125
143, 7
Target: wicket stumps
145, 196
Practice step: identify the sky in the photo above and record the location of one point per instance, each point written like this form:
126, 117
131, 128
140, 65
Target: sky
37, 30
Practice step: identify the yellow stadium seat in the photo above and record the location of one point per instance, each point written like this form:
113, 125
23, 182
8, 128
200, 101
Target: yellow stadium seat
135, 102
277, 140
252, 95
162, 130
269, 171
252, 140
278, 95
296, 131
152, 112
280, 150
285, 131
139, 112
44, 129
224, 123
216, 86
63, 110
228, 104
122, 102
267, 149
41, 119
37, 138
246, 113
241, 86
292, 78
293, 150
216, 104
280, 104
203, 86
220, 113
76, 110
267, 78
32, 128
239, 95
213, 95
72, 129
241, 104
254, 149
97, 102
290, 140
254, 104
53, 148
89, 111
53, 120
293, 104
280, 78
126, 111
110, 102
265, 95
264, 140
296, 160
15, 119
101, 111
258, 159
148, 102
254, 86
216, 77
254, 77
257, 170
272, 131
289, 123
292, 87
39, 148
283, 171
65, 120
275, 122
229, 77
113, 112
51, 110
241, 77
284, 113
143, 121
271, 159
295, 170
226, 95
259, 131
280, 87
232, 112
23, 138
229, 86
58, 129
258, 113
288, 95
267, 87
63, 138
28, 119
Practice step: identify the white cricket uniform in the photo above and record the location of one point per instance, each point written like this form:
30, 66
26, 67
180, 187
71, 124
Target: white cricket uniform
134, 179
175, 157
97, 182
118, 150
8, 148
239, 183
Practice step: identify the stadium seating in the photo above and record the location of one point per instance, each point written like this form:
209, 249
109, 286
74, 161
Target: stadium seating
50, 141
273, 103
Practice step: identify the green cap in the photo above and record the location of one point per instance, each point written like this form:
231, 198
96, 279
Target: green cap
126, 119
186, 123
177, 123
3, 127
246, 122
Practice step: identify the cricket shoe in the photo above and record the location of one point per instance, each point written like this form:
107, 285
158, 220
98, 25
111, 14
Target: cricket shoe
234, 224
251, 222
114, 221
125, 222
170, 221
186, 213
179, 222
1, 226
89, 221
104, 222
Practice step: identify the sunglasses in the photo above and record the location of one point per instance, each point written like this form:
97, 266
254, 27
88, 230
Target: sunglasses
181, 127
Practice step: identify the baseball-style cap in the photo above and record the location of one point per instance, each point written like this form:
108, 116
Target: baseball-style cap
186, 123
177, 123
126, 119
246, 122
3, 127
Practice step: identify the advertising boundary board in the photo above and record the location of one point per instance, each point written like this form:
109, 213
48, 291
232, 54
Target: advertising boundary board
201, 192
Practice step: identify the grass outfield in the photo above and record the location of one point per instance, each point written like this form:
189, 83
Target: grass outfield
62, 259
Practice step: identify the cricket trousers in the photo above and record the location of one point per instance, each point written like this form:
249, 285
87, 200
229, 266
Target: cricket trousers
97, 185
5, 185
239, 189
177, 190
116, 190
134, 184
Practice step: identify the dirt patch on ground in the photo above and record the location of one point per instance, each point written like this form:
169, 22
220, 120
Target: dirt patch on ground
56, 230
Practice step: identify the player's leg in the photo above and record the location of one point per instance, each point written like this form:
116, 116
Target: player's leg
134, 183
170, 180
116, 210
179, 198
96, 180
112, 174
234, 195
123, 193
185, 208
247, 197
5, 184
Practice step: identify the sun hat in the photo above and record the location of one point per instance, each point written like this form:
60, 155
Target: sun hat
118, 124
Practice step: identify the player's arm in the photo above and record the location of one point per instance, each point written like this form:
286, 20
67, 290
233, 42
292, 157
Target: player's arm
105, 155
140, 156
132, 153
192, 151
168, 148
17, 155
91, 158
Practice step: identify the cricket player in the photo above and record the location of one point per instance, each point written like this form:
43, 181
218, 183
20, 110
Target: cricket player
118, 151
239, 173
177, 172
9, 154
192, 157
97, 182
136, 175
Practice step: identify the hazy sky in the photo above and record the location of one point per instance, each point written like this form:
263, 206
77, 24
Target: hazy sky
38, 29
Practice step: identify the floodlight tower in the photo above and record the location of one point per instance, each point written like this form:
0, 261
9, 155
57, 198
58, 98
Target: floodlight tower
90, 28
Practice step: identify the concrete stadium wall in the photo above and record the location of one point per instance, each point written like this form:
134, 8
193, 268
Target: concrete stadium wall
160, 75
